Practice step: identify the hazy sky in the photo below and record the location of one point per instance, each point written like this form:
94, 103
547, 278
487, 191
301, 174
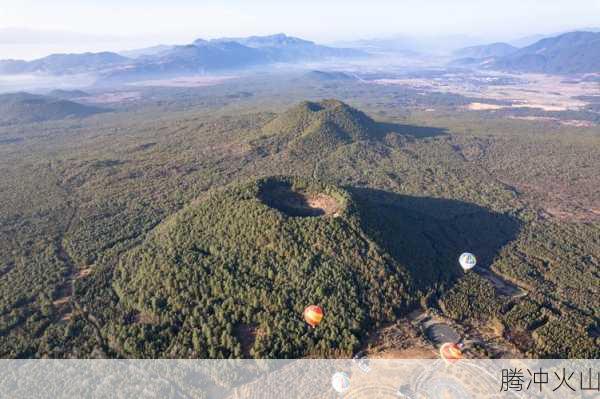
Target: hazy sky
321, 20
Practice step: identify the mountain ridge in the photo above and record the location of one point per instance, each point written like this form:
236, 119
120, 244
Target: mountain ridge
572, 52
198, 57
569, 53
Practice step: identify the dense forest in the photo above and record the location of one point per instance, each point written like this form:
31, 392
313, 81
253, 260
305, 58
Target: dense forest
146, 231
232, 269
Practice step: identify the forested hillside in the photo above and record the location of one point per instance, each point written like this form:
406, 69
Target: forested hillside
232, 274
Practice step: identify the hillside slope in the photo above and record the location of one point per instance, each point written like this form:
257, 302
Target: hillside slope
26, 108
316, 127
255, 267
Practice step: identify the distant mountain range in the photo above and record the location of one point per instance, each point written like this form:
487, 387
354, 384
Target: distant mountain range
573, 52
531, 39
199, 57
64, 64
412, 46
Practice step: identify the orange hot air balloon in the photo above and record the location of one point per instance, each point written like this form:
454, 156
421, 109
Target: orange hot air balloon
451, 352
313, 315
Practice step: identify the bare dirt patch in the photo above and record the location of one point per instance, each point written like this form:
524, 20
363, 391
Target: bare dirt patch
484, 107
578, 123
228, 149
83, 273
547, 92
323, 202
300, 204
567, 122
61, 301
400, 340
145, 318
577, 214
517, 104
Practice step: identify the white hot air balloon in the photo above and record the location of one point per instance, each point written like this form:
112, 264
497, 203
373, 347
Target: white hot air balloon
467, 261
340, 382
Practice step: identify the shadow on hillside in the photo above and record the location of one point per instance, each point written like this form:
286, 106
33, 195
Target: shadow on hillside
427, 235
411, 130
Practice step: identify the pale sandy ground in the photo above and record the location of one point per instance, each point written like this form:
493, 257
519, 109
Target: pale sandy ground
547, 92
324, 202
567, 122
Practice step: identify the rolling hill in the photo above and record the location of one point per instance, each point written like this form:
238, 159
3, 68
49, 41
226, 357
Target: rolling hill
67, 94
25, 108
315, 127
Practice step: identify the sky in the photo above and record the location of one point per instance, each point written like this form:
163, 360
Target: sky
144, 22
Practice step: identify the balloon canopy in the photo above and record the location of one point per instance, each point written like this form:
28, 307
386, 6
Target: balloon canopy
313, 315
340, 382
467, 261
451, 351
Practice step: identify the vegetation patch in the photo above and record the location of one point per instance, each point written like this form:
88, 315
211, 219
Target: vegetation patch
18, 108
473, 297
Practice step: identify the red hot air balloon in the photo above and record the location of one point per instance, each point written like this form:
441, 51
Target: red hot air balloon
313, 315
451, 352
